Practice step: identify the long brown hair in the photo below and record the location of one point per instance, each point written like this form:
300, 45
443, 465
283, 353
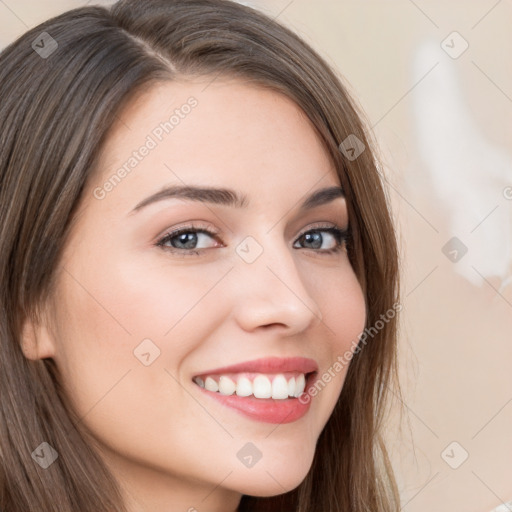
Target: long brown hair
61, 85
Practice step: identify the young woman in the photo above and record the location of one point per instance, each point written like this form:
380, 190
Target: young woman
199, 275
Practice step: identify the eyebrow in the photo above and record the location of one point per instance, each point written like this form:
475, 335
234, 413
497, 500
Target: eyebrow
229, 197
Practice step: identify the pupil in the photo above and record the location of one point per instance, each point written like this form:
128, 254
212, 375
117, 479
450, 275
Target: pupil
318, 238
183, 239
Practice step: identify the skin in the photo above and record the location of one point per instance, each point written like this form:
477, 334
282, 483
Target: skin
172, 448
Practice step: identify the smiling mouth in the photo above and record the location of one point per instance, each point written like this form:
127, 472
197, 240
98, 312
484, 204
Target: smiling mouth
276, 386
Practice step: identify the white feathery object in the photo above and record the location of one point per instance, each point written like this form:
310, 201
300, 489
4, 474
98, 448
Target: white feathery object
467, 172
505, 507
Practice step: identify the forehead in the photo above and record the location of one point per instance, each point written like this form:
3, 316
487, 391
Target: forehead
219, 133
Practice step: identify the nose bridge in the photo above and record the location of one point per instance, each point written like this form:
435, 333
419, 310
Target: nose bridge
271, 287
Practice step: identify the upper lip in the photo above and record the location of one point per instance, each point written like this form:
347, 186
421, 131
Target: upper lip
269, 365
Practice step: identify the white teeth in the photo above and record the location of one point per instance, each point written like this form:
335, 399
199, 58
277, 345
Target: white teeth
279, 387
291, 387
300, 384
261, 386
211, 385
244, 387
226, 385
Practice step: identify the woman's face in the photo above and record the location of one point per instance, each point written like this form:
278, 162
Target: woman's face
138, 314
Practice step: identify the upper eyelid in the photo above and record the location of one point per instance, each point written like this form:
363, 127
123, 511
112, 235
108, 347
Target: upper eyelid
320, 226
214, 232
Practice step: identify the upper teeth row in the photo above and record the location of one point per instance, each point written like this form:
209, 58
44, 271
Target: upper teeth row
260, 387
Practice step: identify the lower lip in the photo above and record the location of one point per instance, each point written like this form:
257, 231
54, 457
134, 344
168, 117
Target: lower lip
268, 410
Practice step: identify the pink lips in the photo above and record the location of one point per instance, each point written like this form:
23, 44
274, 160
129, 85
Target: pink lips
268, 410
269, 365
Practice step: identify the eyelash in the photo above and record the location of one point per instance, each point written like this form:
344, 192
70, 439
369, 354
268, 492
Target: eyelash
341, 236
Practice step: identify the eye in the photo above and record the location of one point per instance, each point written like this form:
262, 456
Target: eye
335, 238
185, 240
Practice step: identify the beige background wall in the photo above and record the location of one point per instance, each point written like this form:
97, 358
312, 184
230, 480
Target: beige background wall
442, 117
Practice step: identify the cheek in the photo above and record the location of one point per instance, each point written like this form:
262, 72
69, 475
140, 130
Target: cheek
344, 310
151, 296
116, 317
102, 322
343, 307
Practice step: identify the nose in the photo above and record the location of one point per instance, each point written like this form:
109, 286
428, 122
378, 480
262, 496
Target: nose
272, 291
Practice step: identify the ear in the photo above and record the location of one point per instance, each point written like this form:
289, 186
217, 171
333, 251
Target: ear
37, 341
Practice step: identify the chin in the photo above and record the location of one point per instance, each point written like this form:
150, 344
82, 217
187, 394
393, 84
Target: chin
275, 477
